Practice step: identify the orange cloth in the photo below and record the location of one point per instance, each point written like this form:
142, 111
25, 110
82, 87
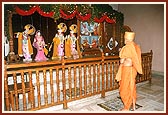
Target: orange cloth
56, 42
20, 39
68, 53
126, 74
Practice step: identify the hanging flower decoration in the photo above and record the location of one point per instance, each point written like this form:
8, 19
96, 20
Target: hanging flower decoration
65, 16
91, 12
32, 10
81, 12
74, 14
104, 18
83, 18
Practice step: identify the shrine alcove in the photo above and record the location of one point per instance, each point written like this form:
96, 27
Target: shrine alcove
109, 23
47, 26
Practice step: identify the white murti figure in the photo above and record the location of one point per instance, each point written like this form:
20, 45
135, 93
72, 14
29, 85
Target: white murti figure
85, 29
6, 46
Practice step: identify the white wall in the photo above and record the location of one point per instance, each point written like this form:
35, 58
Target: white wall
147, 21
114, 6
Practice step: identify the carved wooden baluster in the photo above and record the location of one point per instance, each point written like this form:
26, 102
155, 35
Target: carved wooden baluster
31, 90
24, 91
57, 82
146, 63
64, 88
70, 82
148, 68
114, 82
16, 92
94, 79
140, 78
113, 65
98, 78
51, 86
80, 81
111, 83
6, 90
75, 84
64, 84
143, 59
107, 76
38, 89
144, 69
151, 55
12, 101
89, 77
118, 63
103, 91
45, 88
85, 80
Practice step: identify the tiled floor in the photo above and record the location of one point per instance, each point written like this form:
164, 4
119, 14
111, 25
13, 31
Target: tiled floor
150, 96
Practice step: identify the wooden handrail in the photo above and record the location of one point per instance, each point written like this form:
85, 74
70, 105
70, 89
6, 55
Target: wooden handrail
55, 79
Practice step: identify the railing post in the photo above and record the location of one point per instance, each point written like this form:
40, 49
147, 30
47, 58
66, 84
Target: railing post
64, 83
150, 71
32, 100
6, 90
103, 90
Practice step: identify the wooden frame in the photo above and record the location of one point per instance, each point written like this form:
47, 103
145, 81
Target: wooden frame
90, 39
85, 81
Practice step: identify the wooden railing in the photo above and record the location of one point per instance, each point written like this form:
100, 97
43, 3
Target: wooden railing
37, 85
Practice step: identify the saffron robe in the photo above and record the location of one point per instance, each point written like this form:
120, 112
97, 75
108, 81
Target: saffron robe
126, 75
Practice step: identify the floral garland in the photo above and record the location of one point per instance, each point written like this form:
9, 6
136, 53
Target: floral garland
32, 10
75, 13
63, 15
104, 18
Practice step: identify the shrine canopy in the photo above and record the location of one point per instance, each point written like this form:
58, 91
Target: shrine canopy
83, 12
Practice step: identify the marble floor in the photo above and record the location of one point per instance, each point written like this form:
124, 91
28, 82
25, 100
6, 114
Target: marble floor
150, 95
